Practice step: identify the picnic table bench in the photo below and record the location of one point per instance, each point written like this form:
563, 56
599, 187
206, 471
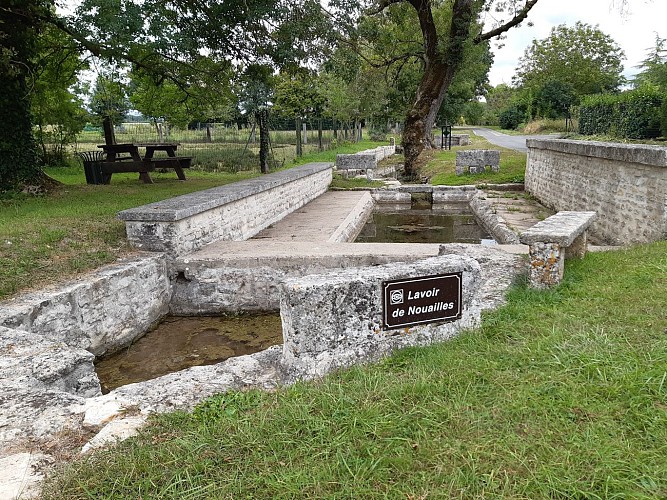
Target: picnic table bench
550, 241
126, 158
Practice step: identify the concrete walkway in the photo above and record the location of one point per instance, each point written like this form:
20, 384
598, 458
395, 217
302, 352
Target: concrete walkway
316, 221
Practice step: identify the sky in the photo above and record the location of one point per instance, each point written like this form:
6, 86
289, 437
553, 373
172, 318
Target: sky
634, 31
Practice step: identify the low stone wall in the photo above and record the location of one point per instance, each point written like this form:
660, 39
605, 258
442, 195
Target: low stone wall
102, 313
366, 163
364, 160
236, 212
626, 184
334, 320
253, 283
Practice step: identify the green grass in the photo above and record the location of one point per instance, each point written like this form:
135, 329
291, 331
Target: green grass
560, 394
441, 166
74, 229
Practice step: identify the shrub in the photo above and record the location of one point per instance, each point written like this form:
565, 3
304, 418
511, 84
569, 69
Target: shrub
511, 118
633, 115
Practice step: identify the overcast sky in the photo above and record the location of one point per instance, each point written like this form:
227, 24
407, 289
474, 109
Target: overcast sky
634, 31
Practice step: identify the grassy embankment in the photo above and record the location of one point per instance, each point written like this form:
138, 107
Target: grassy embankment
74, 228
441, 164
560, 394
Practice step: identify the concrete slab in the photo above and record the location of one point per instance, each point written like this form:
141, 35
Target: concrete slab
252, 253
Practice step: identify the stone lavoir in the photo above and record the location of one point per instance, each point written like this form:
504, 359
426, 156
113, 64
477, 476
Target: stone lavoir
203, 261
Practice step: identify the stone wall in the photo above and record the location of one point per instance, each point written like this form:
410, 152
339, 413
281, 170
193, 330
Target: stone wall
626, 184
102, 313
335, 320
234, 212
364, 160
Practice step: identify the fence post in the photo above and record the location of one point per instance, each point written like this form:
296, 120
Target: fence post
299, 149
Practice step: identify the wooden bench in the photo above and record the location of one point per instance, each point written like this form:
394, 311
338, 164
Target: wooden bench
551, 241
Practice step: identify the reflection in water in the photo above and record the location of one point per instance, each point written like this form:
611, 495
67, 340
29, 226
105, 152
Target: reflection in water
422, 226
182, 342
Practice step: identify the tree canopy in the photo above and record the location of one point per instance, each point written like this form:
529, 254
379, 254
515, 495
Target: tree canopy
580, 56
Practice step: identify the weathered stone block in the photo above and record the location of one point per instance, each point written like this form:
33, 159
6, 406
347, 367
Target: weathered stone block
335, 320
32, 362
547, 263
551, 240
476, 160
102, 312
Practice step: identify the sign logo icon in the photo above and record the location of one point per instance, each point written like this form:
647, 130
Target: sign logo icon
396, 297
422, 299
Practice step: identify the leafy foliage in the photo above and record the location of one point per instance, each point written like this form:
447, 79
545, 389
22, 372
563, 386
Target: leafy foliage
512, 117
581, 56
109, 99
18, 32
634, 114
654, 67
58, 112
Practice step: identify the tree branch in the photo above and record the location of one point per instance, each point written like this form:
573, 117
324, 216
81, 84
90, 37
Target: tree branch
517, 19
383, 4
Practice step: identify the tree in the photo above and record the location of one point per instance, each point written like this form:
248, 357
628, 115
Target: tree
447, 31
581, 57
109, 103
18, 36
255, 94
554, 99
654, 67
57, 109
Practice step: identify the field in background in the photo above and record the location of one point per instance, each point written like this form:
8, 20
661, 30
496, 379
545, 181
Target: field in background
221, 148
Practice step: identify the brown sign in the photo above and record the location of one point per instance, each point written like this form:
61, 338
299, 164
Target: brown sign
426, 299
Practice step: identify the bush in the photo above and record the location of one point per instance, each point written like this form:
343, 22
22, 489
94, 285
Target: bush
633, 115
663, 118
511, 118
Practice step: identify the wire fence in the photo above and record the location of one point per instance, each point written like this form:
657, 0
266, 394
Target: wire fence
218, 146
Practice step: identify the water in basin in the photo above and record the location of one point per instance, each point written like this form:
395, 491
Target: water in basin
181, 342
417, 225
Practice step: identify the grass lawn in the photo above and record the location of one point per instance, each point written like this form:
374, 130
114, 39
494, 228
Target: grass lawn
74, 228
560, 394
441, 166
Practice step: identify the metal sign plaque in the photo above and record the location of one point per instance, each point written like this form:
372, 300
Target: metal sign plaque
425, 299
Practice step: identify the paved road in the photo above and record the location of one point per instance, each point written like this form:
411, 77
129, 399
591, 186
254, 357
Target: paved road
516, 142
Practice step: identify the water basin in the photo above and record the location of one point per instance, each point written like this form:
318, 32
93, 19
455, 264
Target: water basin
418, 225
181, 342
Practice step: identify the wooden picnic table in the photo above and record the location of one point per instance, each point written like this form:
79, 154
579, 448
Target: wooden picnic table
126, 158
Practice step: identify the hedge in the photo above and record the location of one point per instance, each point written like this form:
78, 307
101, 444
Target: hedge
633, 115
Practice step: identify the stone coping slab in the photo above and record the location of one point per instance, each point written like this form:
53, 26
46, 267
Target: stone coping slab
187, 205
627, 153
562, 228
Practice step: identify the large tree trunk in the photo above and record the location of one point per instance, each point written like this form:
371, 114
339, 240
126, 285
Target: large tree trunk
262, 117
18, 150
440, 67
